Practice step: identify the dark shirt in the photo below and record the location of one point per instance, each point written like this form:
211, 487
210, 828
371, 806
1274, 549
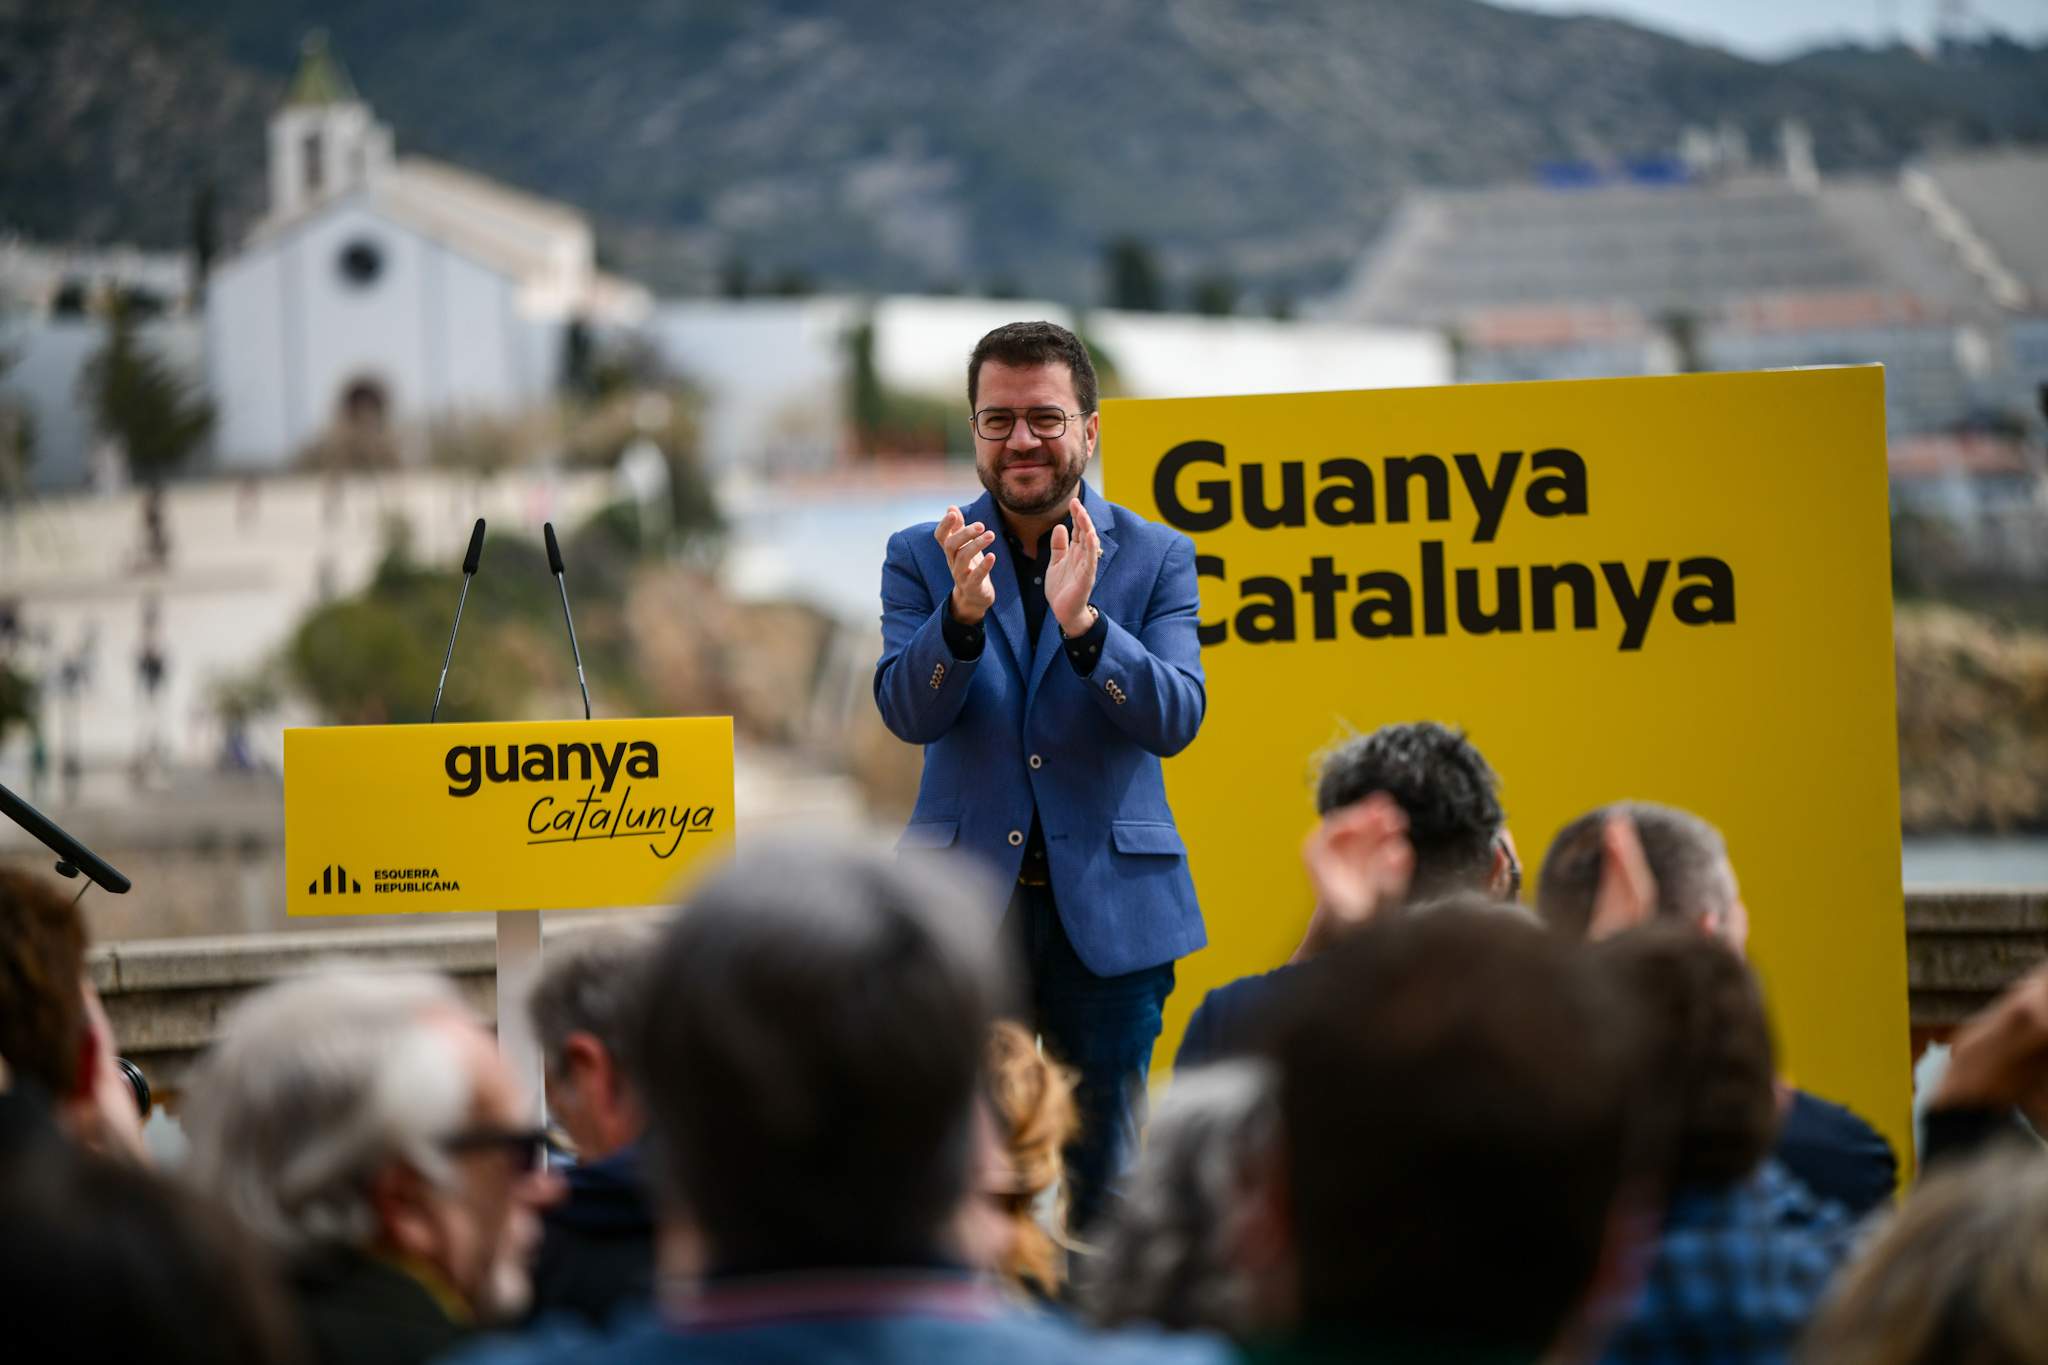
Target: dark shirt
1831, 1150
1955, 1134
359, 1309
1737, 1272
597, 1244
1836, 1154
1328, 1346
873, 1317
1083, 651
1231, 1019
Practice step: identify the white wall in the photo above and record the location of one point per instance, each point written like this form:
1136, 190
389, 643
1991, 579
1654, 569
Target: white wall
772, 372
288, 334
923, 344
49, 356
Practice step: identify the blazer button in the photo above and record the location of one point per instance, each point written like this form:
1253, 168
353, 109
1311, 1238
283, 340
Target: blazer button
1037, 762
1016, 837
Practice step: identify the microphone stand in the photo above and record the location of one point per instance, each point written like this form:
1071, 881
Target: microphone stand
469, 565
562, 586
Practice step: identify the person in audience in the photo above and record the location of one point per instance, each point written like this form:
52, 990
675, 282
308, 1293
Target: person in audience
813, 1066
1744, 1251
364, 1128
1676, 866
53, 1030
1456, 1166
1422, 782
1032, 1104
1176, 1251
597, 1243
1995, 1087
1956, 1278
102, 1260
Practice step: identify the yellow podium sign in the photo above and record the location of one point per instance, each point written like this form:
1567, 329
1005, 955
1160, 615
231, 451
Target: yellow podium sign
541, 815
1670, 589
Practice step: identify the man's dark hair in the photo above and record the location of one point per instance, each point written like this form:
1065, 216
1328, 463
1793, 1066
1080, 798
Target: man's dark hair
1449, 794
1708, 1079
596, 984
1687, 856
1453, 1097
811, 1059
1034, 343
42, 996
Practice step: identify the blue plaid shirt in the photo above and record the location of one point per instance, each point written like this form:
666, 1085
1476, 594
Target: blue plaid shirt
1736, 1273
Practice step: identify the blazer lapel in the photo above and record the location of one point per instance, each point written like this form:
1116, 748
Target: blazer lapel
1104, 516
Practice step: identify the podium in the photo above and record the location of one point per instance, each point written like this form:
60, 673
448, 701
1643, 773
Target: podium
511, 818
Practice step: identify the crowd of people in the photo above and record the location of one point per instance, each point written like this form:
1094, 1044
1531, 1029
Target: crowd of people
799, 1120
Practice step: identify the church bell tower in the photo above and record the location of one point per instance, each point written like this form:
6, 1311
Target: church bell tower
323, 142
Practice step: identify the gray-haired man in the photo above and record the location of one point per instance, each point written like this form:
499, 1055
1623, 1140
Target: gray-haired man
365, 1129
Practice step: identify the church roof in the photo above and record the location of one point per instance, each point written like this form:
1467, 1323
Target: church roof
322, 79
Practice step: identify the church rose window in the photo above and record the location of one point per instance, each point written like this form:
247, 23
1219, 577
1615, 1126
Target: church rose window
361, 263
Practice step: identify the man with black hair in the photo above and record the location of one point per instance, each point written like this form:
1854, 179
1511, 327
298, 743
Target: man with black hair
1409, 813
1042, 749
1418, 1229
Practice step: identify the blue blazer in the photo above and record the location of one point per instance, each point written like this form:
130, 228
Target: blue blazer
1019, 726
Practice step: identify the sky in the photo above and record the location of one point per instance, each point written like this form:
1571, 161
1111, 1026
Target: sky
1770, 29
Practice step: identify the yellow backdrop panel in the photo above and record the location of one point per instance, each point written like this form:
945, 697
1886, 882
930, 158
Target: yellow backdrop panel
542, 815
1670, 589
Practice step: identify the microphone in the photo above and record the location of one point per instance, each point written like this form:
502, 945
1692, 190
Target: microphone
469, 563
72, 856
562, 585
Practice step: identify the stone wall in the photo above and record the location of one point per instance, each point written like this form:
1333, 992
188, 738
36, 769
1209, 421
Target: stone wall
166, 997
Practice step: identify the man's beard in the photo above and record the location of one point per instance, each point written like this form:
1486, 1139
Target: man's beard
1058, 493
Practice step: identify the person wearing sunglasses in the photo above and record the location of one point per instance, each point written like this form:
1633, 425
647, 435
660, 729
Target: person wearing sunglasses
364, 1127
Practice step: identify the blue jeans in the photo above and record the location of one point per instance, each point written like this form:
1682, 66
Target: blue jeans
1101, 1026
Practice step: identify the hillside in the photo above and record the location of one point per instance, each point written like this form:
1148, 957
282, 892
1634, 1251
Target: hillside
926, 144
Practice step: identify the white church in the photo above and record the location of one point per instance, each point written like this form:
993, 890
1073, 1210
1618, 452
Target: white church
382, 292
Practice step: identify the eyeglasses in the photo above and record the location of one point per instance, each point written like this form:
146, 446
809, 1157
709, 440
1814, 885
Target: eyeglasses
527, 1147
138, 1085
1047, 424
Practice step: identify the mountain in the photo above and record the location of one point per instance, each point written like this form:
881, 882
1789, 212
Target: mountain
112, 118
930, 144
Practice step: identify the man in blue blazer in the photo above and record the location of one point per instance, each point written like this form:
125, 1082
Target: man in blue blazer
1042, 747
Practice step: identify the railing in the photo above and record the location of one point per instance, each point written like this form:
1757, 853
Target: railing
166, 997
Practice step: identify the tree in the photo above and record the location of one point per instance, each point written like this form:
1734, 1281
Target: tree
1214, 295
864, 398
137, 399
1682, 329
17, 440
735, 278
579, 360
1134, 281
205, 237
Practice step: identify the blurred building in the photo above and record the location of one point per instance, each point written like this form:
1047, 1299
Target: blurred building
382, 291
1939, 273
776, 373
